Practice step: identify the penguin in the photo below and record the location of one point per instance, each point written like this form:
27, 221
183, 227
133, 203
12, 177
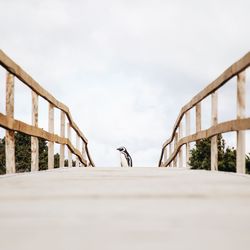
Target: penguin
126, 160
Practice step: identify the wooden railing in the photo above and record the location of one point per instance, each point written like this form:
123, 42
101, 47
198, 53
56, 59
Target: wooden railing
172, 148
11, 125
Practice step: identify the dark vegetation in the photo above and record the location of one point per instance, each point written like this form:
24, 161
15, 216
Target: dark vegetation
201, 156
23, 154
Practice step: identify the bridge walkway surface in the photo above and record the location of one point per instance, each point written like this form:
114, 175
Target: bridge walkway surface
125, 209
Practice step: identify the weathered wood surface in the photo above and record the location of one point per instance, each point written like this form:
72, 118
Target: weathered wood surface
69, 151
84, 152
62, 134
50, 143
198, 117
234, 125
175, 147
180, 151
165, 154
214, 121
25, 128
241, 113
77, 147
188, 122
10, 134
232, 71
228, 74
125, 209
18, 72
34, 140
90, 162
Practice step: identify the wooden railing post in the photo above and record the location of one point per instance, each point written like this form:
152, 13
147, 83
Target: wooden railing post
62, 146
84, 153
165, 155
77, 147
175, 145
241, 136
198, 117
51, 144
13, 126
9, 134
240, 124
180, 151
170, 152
34, 140
187, 115
69, 152
214, 121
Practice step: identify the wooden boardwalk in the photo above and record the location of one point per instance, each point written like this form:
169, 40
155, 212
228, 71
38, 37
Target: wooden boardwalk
125, 209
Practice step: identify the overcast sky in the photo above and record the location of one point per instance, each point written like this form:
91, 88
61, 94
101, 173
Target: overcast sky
124, 68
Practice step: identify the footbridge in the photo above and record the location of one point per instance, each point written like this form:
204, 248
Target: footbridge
85, 207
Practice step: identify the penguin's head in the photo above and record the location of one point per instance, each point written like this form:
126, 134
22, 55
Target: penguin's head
121, 149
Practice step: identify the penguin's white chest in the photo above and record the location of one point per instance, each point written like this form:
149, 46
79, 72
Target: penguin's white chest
124, 162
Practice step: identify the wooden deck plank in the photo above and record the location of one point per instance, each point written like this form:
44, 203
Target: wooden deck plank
118, 209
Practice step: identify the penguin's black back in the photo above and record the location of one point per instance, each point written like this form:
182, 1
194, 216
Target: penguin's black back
128, 158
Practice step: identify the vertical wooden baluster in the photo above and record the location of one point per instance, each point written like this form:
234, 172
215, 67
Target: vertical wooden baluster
62, 146
214, 143
51, 144
165, 155
241, 136
9, 134
84, 152
175, 146
187, 115
77, 147
170, 152
80, 149
198, 117
69, 152
180, 151
34, 140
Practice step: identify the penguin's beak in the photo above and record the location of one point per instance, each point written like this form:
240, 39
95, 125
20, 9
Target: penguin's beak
119, 149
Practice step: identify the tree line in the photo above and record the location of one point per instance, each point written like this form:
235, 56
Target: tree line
23, 154
201, 156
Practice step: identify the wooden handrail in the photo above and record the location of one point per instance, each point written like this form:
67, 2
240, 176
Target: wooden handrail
229, 126
24, 77
231, 72
19, 126
10, 124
